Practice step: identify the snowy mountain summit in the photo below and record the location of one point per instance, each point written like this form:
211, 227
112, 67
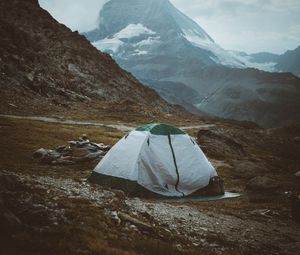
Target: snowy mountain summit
171, 53
154, 27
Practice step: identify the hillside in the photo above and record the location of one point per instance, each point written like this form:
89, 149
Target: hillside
47, 69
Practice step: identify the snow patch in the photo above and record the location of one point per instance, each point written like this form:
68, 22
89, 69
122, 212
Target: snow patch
248, 61
108, 44
115, 42
140, 52
222, 56
195, 38
148, 42
134, 30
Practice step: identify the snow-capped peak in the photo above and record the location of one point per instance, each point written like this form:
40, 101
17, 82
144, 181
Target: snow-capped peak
112, 43
134, 30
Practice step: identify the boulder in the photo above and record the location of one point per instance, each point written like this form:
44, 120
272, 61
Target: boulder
248, 169
81, 150
40, 153
297, 174
214, 188
261, 183
295, 208
219, 145
7, 218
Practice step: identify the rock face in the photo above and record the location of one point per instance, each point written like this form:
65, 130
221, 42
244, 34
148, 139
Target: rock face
287, 62
290, 61
262, 183
158, 44
45, 65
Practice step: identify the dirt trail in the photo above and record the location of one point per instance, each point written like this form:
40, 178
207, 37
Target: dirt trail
120, 127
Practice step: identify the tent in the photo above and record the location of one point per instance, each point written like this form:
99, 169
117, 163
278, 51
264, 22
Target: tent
158, 158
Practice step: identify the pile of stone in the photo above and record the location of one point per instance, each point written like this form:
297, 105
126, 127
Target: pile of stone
76, 151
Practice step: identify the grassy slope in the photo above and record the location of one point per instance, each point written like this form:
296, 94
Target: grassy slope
98, 233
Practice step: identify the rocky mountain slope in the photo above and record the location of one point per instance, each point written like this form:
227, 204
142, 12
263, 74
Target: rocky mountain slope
46, 68
158, 43
289, 61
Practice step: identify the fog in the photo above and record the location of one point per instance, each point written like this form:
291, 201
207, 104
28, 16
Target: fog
244, 25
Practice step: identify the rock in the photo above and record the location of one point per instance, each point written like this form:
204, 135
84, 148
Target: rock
10, 182
261, 183
50, 157
247, 169
214, 188
40, 153
115, 217
92, 156
63, 161
84, 137
60, 148
295, 208
78, 151
220, 145
13, 105
7, 218
126, 217
297, 174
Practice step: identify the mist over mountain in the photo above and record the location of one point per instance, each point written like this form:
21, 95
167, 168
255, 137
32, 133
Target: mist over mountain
159, 44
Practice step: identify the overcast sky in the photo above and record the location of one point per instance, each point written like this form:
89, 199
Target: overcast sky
244, 25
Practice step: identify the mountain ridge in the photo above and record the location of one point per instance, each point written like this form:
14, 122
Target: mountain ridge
46, 67
183, 56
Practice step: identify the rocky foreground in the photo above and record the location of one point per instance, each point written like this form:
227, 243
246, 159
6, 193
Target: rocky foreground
52, 209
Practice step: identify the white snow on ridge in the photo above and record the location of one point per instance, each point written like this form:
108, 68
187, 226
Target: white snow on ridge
106, 44
193, 37
132, 30
140, 52
148, 41
248, 60
223, 57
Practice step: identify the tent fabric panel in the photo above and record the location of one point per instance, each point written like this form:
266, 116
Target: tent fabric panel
121, 159
156, 169
194, 168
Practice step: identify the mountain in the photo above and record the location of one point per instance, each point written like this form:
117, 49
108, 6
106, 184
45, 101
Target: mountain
264, 57
157, 43
46, 68
264, 61
149, 28
289, 62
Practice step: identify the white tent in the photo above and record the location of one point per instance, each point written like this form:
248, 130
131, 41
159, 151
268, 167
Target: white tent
159, 157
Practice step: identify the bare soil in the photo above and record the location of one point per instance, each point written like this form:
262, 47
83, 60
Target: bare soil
52, 209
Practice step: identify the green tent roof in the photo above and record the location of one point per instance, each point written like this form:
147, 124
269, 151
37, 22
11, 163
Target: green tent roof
161, 129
